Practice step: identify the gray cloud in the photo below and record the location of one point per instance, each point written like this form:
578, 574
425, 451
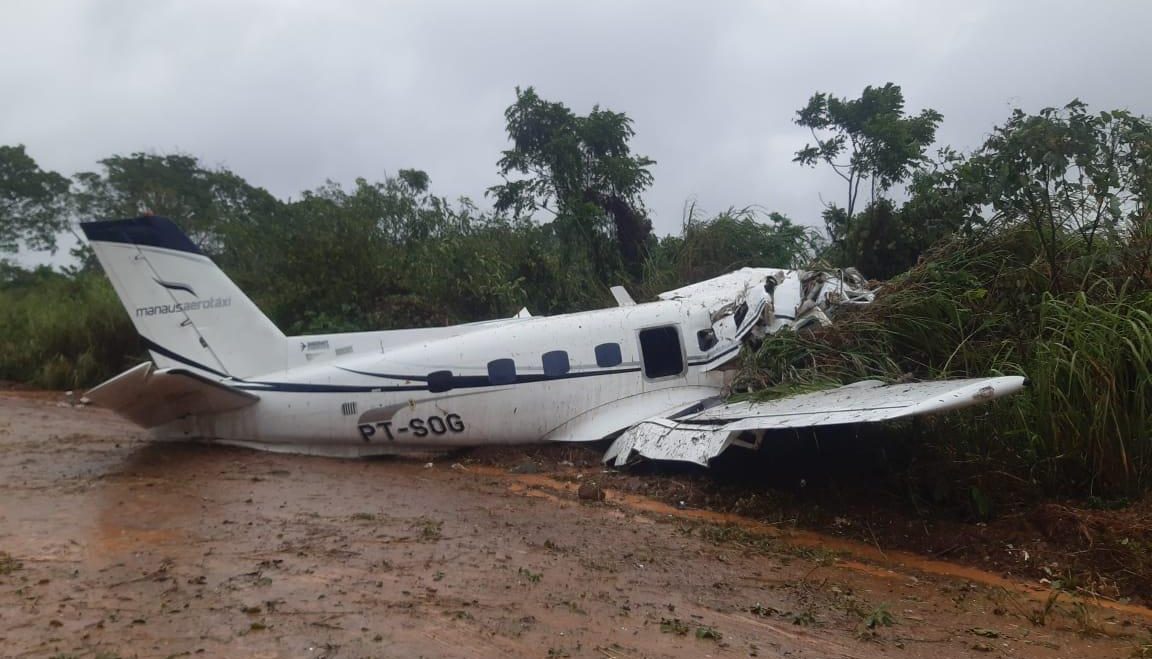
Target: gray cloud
288, 94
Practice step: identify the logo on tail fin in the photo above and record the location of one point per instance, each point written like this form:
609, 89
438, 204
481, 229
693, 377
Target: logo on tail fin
174, 286
193, 305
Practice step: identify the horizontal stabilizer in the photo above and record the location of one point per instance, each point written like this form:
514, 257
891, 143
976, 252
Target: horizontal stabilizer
704, 435
151, 397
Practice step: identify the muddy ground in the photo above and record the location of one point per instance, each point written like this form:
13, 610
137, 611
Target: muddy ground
111, 546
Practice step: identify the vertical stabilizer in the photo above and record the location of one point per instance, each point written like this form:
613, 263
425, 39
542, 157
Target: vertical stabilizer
186, 309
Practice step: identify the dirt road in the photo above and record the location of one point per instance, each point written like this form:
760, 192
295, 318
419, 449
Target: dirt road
114, 547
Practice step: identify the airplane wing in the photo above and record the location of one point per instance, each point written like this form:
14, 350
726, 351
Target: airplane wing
151, 397
704, 435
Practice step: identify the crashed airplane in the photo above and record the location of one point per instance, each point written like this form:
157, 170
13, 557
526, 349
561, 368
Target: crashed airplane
649, 375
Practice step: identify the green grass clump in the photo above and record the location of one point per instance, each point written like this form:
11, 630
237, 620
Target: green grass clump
1091, 371
61, 332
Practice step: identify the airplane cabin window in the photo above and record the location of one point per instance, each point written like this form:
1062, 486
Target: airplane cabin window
608, 354
439, 381
555, 363
660, 349
502, 371
706, 339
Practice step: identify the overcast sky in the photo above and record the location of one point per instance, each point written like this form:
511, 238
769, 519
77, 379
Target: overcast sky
290, 93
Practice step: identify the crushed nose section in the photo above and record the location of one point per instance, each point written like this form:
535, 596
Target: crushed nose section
803, 297
749, 304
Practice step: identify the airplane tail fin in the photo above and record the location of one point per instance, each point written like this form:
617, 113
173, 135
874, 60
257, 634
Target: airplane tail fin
187, 311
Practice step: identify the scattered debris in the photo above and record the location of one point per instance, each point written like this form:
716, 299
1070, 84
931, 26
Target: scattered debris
708, 633
673, 626
8, 564
590, 490
986, 633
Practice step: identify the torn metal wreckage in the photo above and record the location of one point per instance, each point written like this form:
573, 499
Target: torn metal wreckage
650, 375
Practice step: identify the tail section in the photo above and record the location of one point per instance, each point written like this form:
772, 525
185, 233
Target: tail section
186, 309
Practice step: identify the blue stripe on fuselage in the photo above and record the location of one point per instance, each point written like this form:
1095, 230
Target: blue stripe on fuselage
454, 382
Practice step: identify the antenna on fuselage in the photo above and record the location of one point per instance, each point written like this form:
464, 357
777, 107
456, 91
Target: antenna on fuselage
623, 299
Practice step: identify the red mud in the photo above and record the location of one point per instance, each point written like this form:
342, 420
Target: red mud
110, 544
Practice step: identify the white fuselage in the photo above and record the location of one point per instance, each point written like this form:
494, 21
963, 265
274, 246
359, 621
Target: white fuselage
572, 377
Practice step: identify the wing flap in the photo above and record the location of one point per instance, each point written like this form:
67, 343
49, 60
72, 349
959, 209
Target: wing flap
702, 436
151, 397
663, 439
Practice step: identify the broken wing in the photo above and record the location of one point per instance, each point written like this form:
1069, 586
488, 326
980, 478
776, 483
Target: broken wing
702, 436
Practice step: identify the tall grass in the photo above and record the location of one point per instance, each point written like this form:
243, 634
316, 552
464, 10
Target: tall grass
1091, 373
987, 307
60, 332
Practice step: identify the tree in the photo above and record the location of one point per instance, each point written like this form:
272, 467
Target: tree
1072, 176
865, 139
379, 255
203, 200
1069, 171
403, 209
738, 238
321, 264
581, 170
884, 240
32, 202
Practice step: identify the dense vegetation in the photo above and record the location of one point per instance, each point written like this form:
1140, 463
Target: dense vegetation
1047, 272
1032, 255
